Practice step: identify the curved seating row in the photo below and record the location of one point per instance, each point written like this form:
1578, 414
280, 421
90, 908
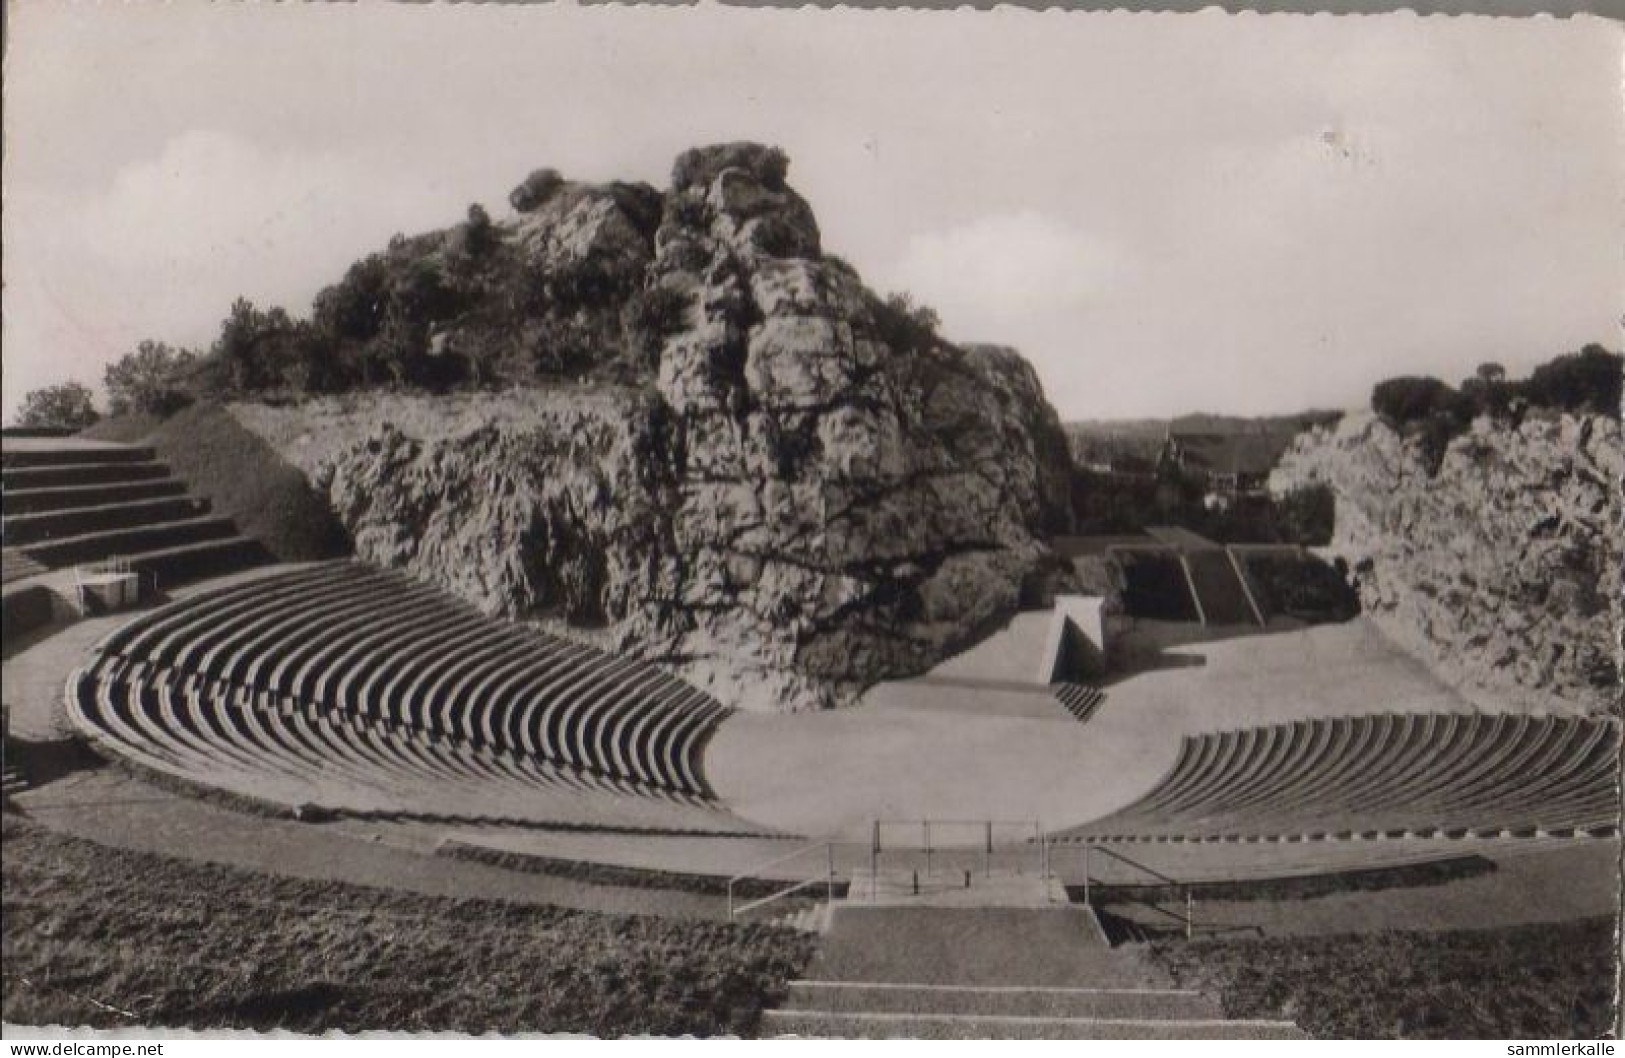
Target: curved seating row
342, 674
230, 739
1383, 775
1079, 699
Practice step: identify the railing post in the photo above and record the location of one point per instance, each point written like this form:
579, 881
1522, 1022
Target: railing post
829, 876
874, 865
1087, 902
987, 856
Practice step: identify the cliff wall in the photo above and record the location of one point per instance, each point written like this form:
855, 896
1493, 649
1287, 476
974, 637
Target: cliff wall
810, 490
1501, 571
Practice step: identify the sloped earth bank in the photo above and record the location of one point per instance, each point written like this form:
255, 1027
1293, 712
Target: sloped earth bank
810, 493
1501, 571
114, 938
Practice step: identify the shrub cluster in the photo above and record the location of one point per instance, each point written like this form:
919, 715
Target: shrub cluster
1114, 503
65, 406
150, 381
1433, 412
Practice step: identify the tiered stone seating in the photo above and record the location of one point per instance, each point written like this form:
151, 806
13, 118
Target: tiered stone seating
368, 693
67, 503
1386, 775
1079, 699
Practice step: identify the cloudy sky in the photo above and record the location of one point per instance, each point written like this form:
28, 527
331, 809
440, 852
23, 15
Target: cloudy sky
1165, 213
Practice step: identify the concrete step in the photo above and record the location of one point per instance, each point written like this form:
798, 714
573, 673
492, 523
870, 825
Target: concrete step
133, 540
32, 500
955, 879
1060, 947
74, 521
66, 456
870, 997
833, 1025
186, 562
68, 474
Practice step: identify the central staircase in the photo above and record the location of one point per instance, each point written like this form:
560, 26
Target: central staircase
1029, 968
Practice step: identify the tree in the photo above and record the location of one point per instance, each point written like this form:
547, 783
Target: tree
1488, 390
1587, 381
353, 309
65, 406
1410, 398
904, 325
1426, 409
253, 349
148, 380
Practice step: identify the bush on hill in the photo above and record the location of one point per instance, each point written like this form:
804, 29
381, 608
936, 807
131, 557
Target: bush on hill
1434, 413
1303, 587
148, 381
1587, 382
65, 406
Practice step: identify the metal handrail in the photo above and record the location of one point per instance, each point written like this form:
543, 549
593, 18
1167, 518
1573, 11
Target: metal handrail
925, 844
1188, 918
1136, 864
827, 877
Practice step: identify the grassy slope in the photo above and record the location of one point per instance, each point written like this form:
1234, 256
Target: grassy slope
244, 477
1543, 981
125, 429
90, 931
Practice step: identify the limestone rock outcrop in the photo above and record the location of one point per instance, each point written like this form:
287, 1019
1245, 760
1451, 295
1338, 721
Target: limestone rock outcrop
1501, 571
809, 492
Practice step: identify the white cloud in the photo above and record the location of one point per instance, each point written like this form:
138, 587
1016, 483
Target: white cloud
165, 246
989, 276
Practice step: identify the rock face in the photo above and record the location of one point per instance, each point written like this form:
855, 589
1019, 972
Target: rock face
1503, 570
813, 491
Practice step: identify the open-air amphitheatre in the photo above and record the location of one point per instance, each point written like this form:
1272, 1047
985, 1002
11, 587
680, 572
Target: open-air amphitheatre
617, 601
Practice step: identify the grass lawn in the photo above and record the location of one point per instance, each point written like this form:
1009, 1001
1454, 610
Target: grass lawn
108, 937
1542, 981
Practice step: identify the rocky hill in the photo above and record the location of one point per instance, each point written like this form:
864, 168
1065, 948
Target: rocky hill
1502, 570
795, 489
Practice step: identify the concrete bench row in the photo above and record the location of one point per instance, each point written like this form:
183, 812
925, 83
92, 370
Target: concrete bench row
1384, 775
229, 738
374, 646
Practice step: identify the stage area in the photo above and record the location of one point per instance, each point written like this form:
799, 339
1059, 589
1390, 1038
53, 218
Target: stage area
970, 741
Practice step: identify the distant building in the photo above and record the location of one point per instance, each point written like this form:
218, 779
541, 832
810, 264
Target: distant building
1228, 464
